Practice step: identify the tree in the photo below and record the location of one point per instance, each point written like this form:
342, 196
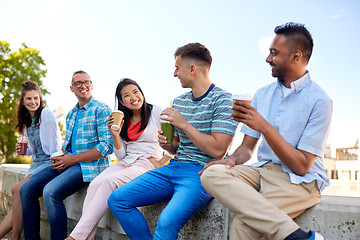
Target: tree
15, 68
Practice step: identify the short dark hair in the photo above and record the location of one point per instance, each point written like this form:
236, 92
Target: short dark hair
194, 51
79, 72
299, 36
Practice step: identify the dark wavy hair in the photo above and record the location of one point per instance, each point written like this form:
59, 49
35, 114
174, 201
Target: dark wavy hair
23, 115
145, 109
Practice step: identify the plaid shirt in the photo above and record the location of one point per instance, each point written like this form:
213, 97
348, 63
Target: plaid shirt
92, 133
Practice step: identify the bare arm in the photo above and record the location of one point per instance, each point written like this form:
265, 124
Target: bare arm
60, 163
241, 155
158, 163
296, 160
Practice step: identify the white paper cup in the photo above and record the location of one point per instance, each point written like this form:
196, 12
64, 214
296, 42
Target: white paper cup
56, 154
242, 97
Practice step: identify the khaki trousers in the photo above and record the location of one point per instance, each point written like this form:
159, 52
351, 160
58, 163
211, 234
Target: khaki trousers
263, 199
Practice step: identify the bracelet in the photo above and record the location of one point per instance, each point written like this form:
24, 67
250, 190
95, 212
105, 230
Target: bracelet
169, 154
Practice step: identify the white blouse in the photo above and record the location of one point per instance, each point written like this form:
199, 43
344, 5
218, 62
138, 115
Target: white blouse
146, 145
50, 136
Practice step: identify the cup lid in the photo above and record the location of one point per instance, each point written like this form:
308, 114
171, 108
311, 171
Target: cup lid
23, 138
56, 154
164, 120
246, 97
118, 111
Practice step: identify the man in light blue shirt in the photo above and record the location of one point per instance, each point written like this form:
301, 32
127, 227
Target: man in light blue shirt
293, 116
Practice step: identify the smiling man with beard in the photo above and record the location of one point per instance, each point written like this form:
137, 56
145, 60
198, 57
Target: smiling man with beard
293, 116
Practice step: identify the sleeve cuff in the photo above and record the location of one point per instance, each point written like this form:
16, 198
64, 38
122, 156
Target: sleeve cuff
169, 154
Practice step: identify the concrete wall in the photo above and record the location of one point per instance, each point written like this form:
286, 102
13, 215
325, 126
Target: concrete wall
334, 217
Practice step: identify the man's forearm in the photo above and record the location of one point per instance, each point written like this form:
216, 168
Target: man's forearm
92, 154
215, 147
293, 158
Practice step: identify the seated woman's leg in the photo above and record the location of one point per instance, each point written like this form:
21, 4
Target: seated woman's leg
98, 192
13, 220
17, 221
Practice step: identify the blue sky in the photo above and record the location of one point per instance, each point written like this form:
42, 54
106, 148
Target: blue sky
137, 39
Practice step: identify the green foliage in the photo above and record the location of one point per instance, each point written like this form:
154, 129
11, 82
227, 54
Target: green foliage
20, 160
15, 68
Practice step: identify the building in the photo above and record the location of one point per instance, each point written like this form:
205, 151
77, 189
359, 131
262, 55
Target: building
343, 171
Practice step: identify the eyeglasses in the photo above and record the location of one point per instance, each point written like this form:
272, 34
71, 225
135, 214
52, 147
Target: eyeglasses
79, 84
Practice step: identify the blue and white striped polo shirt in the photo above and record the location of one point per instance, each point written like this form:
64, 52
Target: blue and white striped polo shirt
208, 113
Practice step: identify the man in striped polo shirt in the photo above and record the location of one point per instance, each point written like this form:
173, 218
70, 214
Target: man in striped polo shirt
204, 131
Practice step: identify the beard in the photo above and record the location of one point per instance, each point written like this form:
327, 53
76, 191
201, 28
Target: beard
277, 72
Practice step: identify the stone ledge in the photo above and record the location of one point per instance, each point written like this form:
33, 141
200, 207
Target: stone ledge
334, 217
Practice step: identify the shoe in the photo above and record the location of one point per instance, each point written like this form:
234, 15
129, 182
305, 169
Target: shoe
315, 236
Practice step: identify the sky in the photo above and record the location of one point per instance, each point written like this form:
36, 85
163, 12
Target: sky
113, 39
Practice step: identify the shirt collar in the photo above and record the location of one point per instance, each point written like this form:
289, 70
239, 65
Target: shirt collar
204, 95
86, 106
298, 84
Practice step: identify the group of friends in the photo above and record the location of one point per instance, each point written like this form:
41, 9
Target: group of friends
292, 115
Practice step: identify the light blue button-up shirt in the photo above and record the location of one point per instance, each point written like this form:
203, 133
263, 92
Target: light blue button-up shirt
302, 118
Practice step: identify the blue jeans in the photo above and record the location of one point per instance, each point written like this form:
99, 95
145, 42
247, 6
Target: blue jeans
177, 181
54, 186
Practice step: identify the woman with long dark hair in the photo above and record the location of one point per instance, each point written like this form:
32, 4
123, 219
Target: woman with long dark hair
135, 145
39, 124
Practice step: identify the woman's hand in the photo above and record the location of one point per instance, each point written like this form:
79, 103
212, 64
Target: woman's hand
111, 122
154, 162
159, 163
17, 147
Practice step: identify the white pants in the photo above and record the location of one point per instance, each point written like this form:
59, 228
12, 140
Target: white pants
95, 203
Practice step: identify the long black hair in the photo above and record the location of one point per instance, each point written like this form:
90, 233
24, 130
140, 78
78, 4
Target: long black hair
23, 114
145, 109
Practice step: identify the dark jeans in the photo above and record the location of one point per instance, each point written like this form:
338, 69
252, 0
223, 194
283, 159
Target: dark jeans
55, 187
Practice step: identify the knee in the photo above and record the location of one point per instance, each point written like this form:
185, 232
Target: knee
47, 194
113, 183
15, 191
25, 190
95, 184
116, 200
168, 226
211, 174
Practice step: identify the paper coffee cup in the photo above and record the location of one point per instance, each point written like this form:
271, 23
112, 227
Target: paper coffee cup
56, 154
168, 130
242, 97
118, 117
